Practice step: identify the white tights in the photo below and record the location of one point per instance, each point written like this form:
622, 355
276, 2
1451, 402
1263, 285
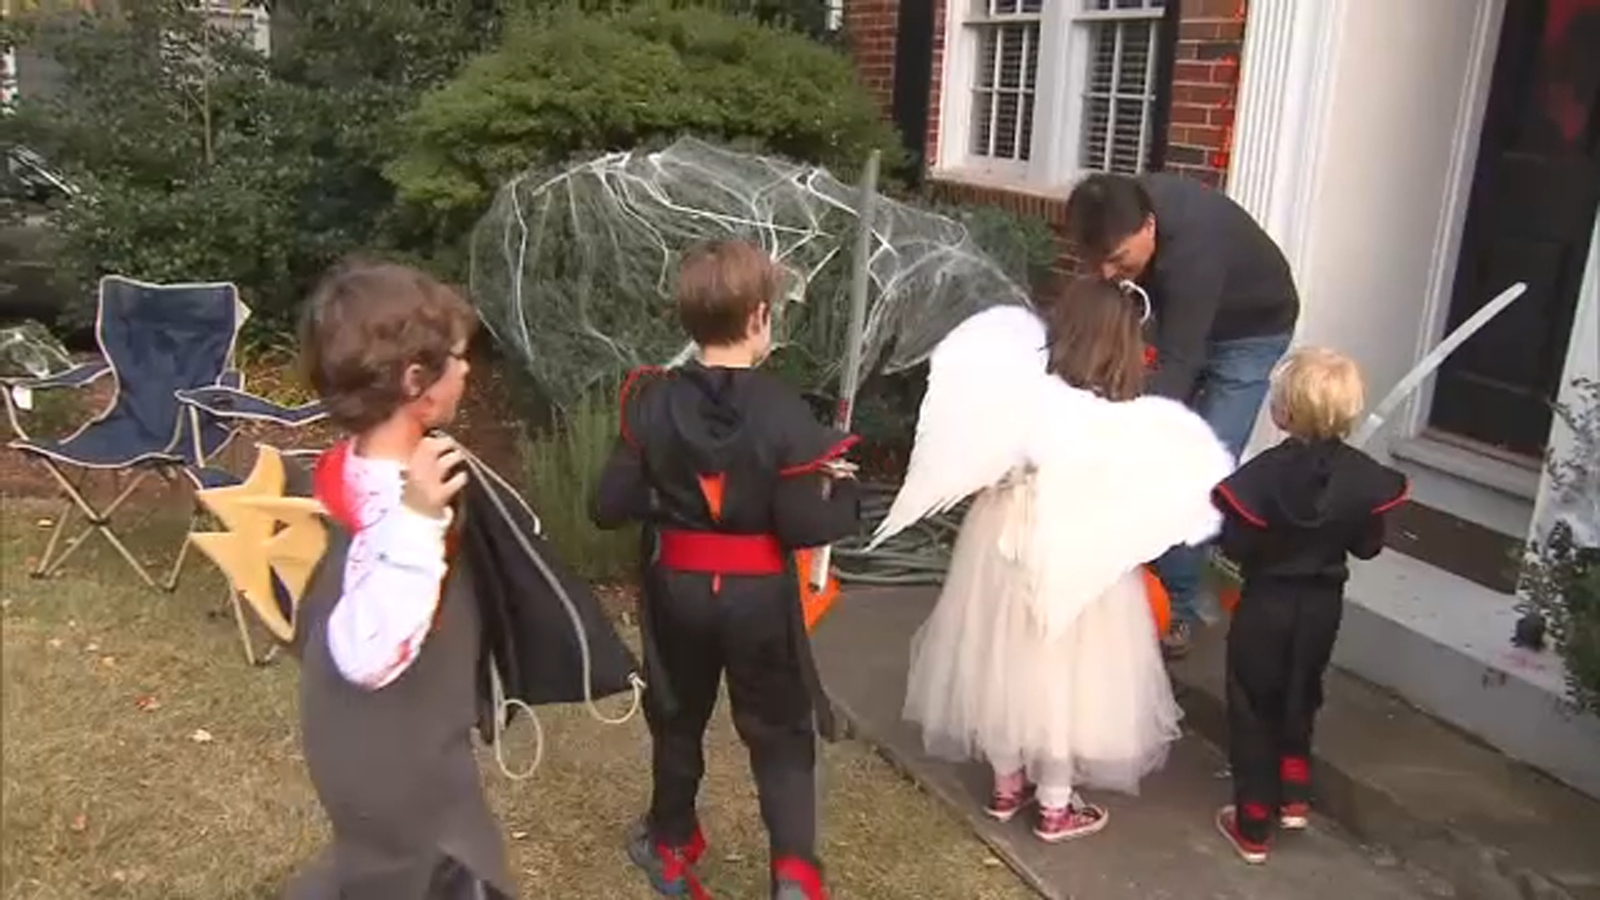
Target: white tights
1054, 779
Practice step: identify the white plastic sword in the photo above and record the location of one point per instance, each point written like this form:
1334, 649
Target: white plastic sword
1413, 379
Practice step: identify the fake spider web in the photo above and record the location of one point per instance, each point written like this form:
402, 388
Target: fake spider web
573, 269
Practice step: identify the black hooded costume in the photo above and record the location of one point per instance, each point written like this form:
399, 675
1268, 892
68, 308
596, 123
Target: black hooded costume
723, 466
1292, 516
394, 767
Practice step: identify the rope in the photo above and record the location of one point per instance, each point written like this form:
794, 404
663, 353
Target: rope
502, 705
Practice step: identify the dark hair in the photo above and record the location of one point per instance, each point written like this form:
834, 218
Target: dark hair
1096, 342
720, 286
365, 325
1103, 210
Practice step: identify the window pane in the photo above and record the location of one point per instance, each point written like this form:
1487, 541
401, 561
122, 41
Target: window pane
1007, 69
1118, 99
982, 113
1108, 5
1096, 120
988, 55
1013, 54
1025, 136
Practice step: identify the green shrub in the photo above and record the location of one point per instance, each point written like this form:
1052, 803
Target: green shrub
1561, 578
564, 463
567, 84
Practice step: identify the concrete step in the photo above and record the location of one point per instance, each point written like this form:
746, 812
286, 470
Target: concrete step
1490, 827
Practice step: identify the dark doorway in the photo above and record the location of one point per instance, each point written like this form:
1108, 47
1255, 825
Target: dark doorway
913, 78
1530, 218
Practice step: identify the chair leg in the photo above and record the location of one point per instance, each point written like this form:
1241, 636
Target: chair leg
242, 620
99, 522
56, 530
244, 627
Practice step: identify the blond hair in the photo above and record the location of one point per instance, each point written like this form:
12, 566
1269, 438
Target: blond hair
1317, 394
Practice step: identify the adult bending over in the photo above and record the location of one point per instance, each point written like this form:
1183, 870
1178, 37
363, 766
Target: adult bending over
1225, 310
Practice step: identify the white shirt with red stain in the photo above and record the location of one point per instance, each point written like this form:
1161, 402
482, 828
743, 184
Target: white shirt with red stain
392, 577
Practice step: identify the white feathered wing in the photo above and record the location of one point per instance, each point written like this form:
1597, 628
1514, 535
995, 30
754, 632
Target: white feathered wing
1113, 485
975, 424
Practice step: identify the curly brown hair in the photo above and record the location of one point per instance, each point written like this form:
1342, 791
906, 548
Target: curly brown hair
1096, 341
368, 322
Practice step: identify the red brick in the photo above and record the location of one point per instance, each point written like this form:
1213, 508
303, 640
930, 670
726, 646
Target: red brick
1212, 9
1202, 94
1193, 136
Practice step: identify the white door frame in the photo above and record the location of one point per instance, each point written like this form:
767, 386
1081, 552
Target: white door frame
1287, 67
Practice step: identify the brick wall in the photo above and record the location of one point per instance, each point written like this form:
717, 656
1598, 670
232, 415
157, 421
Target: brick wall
1205, 87
871, 27
1205, 82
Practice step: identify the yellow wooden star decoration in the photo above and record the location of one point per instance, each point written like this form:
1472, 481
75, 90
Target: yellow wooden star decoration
268, 535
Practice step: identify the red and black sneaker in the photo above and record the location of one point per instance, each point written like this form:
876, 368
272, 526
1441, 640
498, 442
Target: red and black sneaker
796, 879
1294, 816
1252, 852
670, 869
1294, 813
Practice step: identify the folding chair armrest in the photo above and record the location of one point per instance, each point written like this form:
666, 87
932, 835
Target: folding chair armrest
230, 403
233, 378
75, 377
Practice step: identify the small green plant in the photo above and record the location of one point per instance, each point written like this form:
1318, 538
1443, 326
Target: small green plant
1561, 578
564, 463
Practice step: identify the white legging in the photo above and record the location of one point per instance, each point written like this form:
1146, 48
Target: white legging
1054, 779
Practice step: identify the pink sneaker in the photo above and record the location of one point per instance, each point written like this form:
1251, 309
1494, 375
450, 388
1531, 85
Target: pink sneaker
1063, 823
1004, 805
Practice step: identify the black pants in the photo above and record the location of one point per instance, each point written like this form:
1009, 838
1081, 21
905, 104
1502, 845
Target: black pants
746, 629
1279, 645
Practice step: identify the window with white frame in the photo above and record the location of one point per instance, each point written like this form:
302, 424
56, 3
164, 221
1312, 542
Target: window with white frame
1039, 90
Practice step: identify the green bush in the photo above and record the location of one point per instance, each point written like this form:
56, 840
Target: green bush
1561, 578
222, 164
564, 463
568, 83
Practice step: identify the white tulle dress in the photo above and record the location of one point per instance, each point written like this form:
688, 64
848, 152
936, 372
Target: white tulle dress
1088, 707
1042, 651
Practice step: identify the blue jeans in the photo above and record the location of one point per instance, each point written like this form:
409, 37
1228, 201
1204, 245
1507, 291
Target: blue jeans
1231, 389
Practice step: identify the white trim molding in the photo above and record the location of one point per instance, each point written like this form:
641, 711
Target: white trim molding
1284, 85
1453, 218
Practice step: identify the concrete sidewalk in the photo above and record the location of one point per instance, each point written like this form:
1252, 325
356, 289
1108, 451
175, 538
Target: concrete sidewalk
1160, 846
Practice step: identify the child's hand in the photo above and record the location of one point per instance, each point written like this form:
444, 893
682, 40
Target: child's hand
840, 468
429, 483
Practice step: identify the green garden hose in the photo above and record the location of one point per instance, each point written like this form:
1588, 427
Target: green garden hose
917, 556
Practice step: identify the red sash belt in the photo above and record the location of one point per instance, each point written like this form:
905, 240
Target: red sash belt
719, 553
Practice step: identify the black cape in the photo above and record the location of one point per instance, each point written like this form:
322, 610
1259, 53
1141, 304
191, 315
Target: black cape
529, 635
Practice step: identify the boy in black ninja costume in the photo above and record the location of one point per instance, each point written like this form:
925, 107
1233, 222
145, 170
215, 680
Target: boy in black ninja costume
727, 466
1291, 517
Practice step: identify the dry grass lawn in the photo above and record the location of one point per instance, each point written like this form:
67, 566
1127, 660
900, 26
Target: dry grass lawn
144, 759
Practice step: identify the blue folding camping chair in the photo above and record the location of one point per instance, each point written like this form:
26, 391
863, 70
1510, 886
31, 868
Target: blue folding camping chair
177, 402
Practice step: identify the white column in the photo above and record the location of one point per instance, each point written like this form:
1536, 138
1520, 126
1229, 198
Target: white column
1284, 83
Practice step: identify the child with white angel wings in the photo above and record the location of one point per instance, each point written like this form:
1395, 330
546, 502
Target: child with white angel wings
1042, 655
